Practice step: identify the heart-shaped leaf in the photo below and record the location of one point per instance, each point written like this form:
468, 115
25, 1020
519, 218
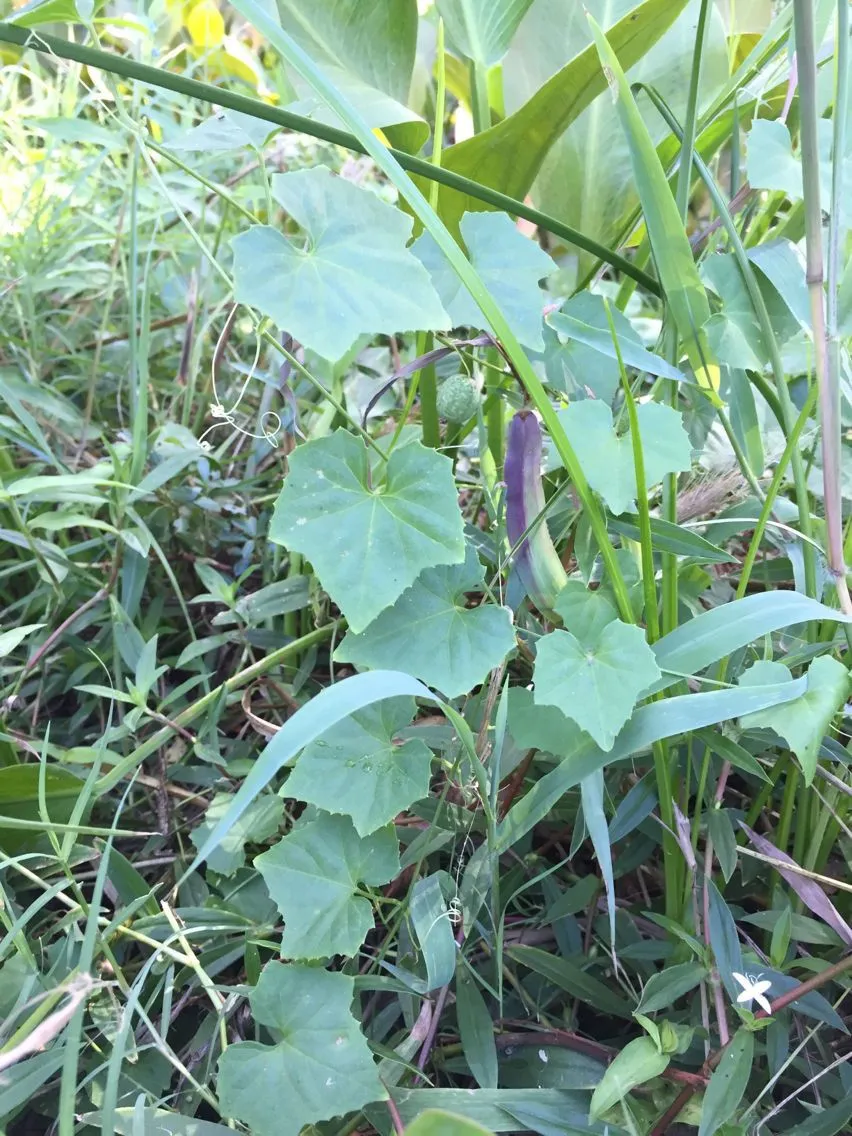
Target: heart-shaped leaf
321, 1067
313, 876
595, 683
431, 634
354, 276
368, 542
357, 769
803, 722
607, 457
509, 264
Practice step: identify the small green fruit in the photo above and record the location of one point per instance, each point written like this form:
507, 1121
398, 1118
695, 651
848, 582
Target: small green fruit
457, 399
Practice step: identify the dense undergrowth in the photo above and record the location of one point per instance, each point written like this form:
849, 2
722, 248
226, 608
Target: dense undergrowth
423, 603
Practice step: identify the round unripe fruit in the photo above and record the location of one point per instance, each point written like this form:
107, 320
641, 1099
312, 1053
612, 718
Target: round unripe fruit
457, 398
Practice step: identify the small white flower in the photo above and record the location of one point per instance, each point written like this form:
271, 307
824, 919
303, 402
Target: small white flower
754, 990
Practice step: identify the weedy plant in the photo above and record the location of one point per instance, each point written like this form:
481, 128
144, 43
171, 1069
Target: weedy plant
424, 605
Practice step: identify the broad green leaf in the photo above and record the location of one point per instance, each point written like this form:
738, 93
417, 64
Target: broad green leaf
313, 875
260, 821
722, 630
804, 722
772, 164
585, 613
137, 1121
368, 51
782, 265
226, 130
607, 457
595, 683
734, 331
368, 540
678, 275
476, 1029
568, 976
329, 707
19, 800
507, 157
599, 339
375, 42
638, 1062
509, 264
546, 728
41, 12
727, 1083
322, 1066
431, 633
664, 988
481, 30
357, 768
579, 355
436, 1122
354, 276
586, 179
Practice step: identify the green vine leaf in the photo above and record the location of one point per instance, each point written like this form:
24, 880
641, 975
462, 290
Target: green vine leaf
260, 821
585, 613
804, 722
431, 634
320, 1068
367, 541
510, 265
356, 768
595, 683
355, 275
313, 876
607, 457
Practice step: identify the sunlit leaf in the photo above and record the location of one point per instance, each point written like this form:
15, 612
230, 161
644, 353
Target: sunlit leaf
314, 874
508, 156
354, 275
368, 539
586, 179
430, 632
205, 24
482, 30
358, 769
607, 457
595, 683
322, 1066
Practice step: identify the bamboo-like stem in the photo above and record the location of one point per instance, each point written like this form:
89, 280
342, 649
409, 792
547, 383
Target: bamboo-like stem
826, 376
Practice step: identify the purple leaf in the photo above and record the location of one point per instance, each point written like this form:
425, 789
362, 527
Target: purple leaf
808, 891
